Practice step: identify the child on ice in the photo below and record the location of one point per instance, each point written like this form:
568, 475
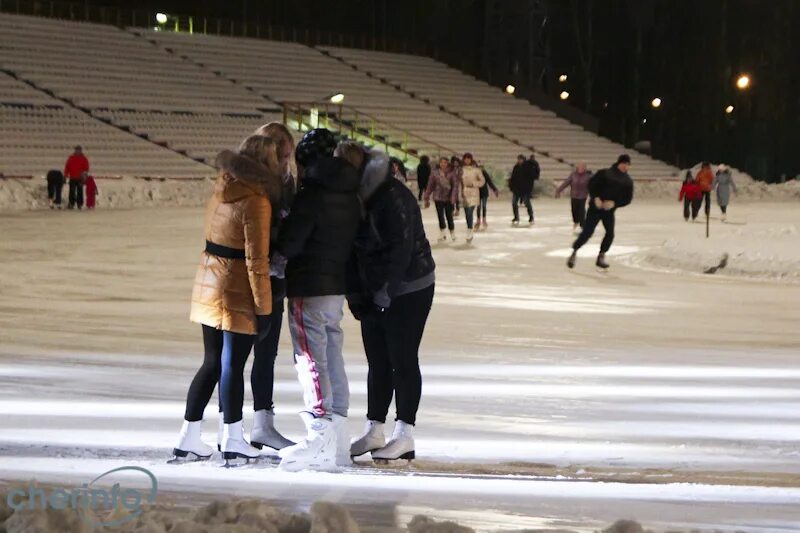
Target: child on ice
692, 196
91, 192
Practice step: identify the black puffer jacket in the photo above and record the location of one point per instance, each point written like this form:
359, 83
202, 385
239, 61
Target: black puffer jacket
392, 255
612, 184
317, 236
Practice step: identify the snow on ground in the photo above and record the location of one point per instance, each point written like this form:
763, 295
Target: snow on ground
552, 399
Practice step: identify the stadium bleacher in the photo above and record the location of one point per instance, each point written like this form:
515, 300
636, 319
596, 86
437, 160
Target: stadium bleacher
158, 103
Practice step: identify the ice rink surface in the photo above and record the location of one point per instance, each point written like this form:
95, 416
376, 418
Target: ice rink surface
551, 398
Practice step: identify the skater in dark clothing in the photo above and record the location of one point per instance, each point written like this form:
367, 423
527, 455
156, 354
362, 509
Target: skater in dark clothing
423, 175
55, 186
456, 166
692, 196
390, 290
398, 170
265, 351
521, 185
578, 182
609, 190
483, 224
232, 296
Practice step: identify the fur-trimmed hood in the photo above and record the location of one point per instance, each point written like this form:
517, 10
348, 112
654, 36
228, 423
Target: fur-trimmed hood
241, 176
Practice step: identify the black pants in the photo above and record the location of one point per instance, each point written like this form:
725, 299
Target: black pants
593, 218
707, 200
724, 209
392, 344
422, 185
225, 356
262, 377
482, 207
691, 207
75, 194
54, 189
525, 199
444, 210
579, 211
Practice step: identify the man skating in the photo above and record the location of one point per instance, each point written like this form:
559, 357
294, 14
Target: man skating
75, 170
609, 190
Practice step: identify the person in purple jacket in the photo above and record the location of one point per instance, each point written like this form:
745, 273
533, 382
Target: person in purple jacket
578, 182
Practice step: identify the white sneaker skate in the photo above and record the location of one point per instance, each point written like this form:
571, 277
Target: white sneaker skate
316, 452
373, 439
264, 432
401, 446
234, 446
342, 441
442, 236
220, 431
190, 443
469, 236
453, 236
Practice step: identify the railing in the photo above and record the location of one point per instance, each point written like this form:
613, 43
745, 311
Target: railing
357, 125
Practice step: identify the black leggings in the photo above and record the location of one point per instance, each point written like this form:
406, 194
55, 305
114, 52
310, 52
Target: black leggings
593, 218
225, 356
75, 194
707, 201
444, 210
262, 377
391, 343
691, 207
482, 207
54, 190
578, 211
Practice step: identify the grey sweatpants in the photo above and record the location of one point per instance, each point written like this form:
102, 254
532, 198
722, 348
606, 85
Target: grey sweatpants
317, 338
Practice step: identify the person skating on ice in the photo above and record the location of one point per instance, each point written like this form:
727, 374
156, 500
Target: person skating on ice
232, 296
521, 185
390, 290
705, 179
423, 175
609, 190
723, 184
265, 351
76, 167
578, 182
471, 182
483, 224
456, 167
443, 187
692, 196
315, 242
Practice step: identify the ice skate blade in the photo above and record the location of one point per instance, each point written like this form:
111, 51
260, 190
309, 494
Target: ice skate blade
408, 456
182, 456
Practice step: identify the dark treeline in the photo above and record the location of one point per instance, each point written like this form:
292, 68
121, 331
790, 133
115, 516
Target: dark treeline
618, 56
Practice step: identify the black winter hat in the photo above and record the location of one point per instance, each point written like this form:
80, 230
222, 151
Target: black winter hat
315, 144
624, 158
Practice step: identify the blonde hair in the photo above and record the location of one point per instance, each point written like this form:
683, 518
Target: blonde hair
281, 134
262, 149
352, 152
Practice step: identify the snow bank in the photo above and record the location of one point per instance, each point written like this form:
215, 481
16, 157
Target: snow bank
230, 516
759, 252
23, 194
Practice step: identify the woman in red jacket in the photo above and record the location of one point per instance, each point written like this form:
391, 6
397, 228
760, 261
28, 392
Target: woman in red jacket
692, 196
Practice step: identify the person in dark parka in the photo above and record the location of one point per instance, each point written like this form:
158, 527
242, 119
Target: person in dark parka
390, 290
423, 175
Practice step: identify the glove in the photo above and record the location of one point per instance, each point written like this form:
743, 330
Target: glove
277, 266
264, 323
608, 205
598, 203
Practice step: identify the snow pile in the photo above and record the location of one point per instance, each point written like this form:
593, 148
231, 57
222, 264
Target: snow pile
771, 253
23, 194
232, 516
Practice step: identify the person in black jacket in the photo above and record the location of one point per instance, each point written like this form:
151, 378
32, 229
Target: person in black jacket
316, 239
609, 190
482, 224
423, 175
521, 185
390, 290
55, 186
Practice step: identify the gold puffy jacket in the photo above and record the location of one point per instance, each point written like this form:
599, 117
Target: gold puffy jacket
229, 293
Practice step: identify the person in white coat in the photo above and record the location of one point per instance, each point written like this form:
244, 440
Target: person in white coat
471, 182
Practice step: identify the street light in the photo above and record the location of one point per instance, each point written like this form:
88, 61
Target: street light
743, 82
161, 18
729, 109
337, 98
562, 78
656, 103
510, 89
564, 95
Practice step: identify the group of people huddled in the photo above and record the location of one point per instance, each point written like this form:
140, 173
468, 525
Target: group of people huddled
696, 191
342, 230
76, 174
